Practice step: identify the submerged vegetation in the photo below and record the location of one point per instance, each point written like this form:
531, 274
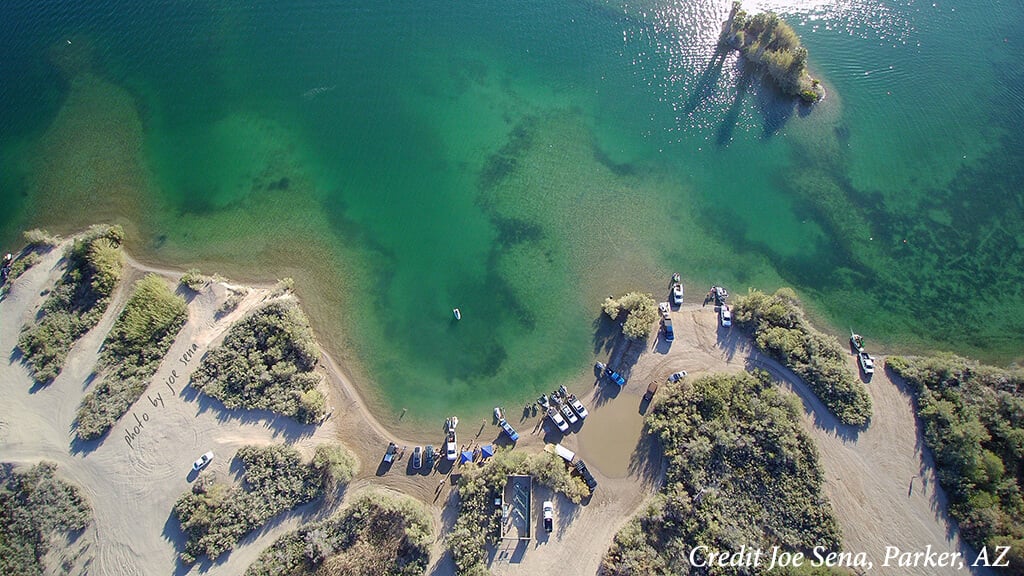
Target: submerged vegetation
266, 362
479, 522
377, 534
973, 420
215, 516
33, 505
76, 303
136, 344
641, 313
769, 42
741, 471
780, 330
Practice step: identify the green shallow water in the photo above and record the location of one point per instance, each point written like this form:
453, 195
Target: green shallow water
523, 160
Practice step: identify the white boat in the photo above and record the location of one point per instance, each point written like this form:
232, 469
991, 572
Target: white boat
569, 414
458, 314
498, 415
664, 308
557, 419
577, 406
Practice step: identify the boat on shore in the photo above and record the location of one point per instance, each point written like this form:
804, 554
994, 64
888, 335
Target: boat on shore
451, 441
542, 401
577, 406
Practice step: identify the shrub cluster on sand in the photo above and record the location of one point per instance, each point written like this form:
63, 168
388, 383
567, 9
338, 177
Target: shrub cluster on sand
140, 338
215, 516
973, 420
194, 279
33, 505
741, 471
641, 312
780, 330
376, 534
76, 303
479, 522
266, 362
767, 41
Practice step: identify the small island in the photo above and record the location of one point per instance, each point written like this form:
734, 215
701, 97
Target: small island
768, 42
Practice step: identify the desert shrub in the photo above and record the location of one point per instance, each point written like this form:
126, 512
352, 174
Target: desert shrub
131, 353
337, 464
37, 238
216, 516
267, 362
641, 312
780, 330
21, 264
479, 522
376, 534
741, 471
34, 504
234, 298
973, 419
75, 304
194, 279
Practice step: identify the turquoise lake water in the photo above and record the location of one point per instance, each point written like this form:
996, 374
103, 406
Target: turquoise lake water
521, 160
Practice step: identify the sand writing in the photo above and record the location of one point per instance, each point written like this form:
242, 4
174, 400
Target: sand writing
132, 432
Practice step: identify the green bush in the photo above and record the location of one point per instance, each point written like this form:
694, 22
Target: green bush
131, 354
75, 304
21, 264
377, 534
336, 463
38, 238
33, 505
973, 419
641, 310
267, 362
194, 279
769, 42
741, 471
781, 331
234, 298
216, 516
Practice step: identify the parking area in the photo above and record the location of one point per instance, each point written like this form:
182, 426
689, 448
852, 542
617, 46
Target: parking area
515, 521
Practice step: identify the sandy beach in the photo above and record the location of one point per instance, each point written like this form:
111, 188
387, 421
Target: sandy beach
879, 480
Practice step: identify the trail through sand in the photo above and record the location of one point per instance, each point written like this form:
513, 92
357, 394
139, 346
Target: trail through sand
882, 486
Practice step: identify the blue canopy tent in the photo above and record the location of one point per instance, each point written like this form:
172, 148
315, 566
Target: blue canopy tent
487, 450
467, 456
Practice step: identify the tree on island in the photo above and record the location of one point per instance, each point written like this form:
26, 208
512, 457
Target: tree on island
641, 313
767, 41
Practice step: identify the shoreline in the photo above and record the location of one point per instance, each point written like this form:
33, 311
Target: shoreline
151, 473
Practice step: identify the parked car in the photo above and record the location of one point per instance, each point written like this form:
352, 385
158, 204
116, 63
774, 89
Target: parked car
726, 315
202, 461
391, 452
430, 455
677, 293
651, 389
670, 334
417, 458
677, 376
867, 363
581, 467
549, 516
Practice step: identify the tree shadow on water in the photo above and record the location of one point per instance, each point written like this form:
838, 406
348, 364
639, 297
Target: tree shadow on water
732, 115
776, 108
706, 83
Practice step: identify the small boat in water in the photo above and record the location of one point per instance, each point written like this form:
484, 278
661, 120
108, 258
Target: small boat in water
457, 313
543, 401
498, 414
